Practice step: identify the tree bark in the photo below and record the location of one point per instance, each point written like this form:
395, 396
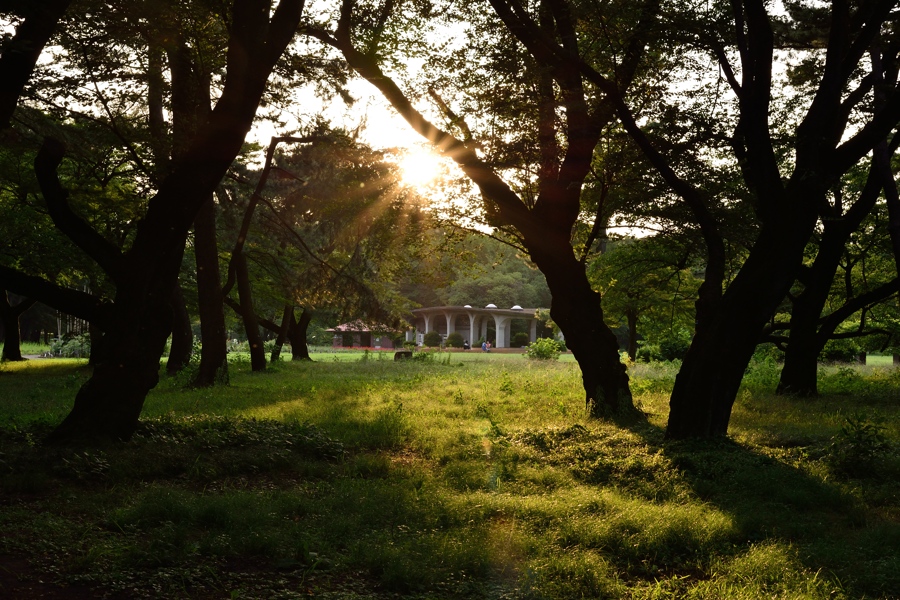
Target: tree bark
248, 315
109, 404
213, 334
9, 315
575, 308
23, 50
711, 373
632, 317
286, 316
297, 335
182, 335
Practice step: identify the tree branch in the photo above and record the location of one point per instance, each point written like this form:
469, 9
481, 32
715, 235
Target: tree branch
83, 235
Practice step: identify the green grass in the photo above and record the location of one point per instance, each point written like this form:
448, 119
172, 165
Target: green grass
469, 475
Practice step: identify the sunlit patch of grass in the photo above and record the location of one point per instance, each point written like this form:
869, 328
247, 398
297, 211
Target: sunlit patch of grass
478, 477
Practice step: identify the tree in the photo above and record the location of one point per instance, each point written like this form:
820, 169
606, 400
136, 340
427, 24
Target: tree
9, 317
848, 242
138, 322
333, 229
565, 122
646, 279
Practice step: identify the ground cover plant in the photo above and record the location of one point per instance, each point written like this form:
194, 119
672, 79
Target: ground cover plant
467, 475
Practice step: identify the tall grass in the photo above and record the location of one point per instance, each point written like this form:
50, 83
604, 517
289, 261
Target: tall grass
477, 476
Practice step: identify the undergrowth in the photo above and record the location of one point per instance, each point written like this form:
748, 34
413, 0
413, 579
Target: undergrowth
453, 479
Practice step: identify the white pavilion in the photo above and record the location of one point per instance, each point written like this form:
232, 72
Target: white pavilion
472, 323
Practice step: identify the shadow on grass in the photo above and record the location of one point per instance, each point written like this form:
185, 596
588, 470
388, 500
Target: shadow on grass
827, 523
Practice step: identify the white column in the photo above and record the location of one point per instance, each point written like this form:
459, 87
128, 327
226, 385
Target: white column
451, 323
427, 318
472, 337
533, 333
502, 326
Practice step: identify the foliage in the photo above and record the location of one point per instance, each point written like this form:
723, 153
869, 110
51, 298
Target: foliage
841, 350
672, 346
455, 340
860, 447
543, 349
76, 346
432, 339
519, 340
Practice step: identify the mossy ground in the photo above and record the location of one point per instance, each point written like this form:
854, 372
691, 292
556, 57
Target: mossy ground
473, 476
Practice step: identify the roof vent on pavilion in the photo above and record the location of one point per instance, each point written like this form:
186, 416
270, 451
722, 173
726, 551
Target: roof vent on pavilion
516, 307
491, 306
467, 306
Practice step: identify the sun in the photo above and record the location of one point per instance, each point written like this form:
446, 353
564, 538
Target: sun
420, 168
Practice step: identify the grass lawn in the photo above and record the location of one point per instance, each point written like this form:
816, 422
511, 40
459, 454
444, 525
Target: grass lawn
467, 475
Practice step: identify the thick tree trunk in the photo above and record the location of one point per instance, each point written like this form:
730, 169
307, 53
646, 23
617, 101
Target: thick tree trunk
109, 404
286, 316
801, 357
575, 308
297, 335
127, 367
799, 375
248, 315
182, 336
12, 338
711, 373
213, 334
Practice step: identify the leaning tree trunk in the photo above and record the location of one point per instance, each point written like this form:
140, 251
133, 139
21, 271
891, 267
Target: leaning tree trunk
297, 335
282, 334
575, 308
711, 373
248, 315
213, 333
108, 405
801, 357
182, 336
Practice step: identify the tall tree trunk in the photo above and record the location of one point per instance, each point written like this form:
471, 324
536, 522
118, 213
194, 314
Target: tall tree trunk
297, 335
575, 308
213, 334
9, 315
127, 366
711, 373
286, 316
95, 335
182, 335
801, 357
109, 404
632, 317
248, 315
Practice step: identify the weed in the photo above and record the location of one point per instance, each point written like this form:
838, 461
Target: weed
860, 446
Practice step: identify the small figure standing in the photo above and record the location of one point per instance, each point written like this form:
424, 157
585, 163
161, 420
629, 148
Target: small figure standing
484, 346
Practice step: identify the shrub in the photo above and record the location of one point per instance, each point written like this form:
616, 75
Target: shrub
674, 346
78, 346
520, 340
455, 340
858, 449
543, 349
841, 350
432, 339
648, 353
